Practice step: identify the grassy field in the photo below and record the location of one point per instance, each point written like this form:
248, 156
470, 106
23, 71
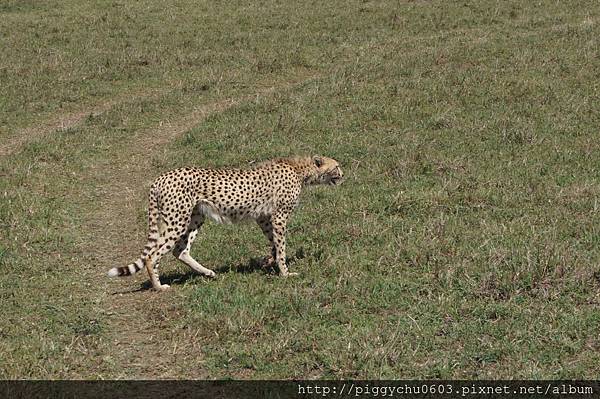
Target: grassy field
464, 242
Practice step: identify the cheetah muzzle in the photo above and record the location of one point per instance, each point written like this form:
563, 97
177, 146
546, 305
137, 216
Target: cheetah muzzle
181, 200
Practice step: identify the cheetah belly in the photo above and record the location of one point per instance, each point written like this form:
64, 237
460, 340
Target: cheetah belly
209, 210
235, 214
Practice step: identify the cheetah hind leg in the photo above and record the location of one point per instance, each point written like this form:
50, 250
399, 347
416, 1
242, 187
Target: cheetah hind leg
152, 271
184, 244
164, 245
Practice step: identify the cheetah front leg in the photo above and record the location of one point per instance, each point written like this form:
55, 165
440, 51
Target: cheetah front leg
279, 223
267, 228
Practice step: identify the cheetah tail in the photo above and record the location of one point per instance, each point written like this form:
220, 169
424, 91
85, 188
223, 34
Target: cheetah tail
153, 236
128, 270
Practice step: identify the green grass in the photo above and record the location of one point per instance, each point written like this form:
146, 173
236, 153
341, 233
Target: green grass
463, 243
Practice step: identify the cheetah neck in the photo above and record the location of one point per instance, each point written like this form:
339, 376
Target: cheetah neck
304, 168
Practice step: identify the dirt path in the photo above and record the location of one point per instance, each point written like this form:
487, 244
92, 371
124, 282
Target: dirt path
140, 322
71, 119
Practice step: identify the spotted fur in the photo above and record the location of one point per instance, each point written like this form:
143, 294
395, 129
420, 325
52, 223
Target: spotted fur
180, 201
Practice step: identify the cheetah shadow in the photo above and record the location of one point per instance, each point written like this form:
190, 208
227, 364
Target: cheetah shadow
254, 265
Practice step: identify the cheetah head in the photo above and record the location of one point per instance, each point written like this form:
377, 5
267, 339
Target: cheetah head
327, 171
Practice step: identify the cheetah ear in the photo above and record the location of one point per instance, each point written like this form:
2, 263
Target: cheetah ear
318, 161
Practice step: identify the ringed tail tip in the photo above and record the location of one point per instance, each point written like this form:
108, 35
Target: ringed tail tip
114, 272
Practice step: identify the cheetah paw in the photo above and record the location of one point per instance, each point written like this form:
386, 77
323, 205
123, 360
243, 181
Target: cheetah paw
163, 287
290, 274
266, 261
210, 274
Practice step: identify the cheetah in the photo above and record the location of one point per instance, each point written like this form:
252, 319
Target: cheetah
182, 199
